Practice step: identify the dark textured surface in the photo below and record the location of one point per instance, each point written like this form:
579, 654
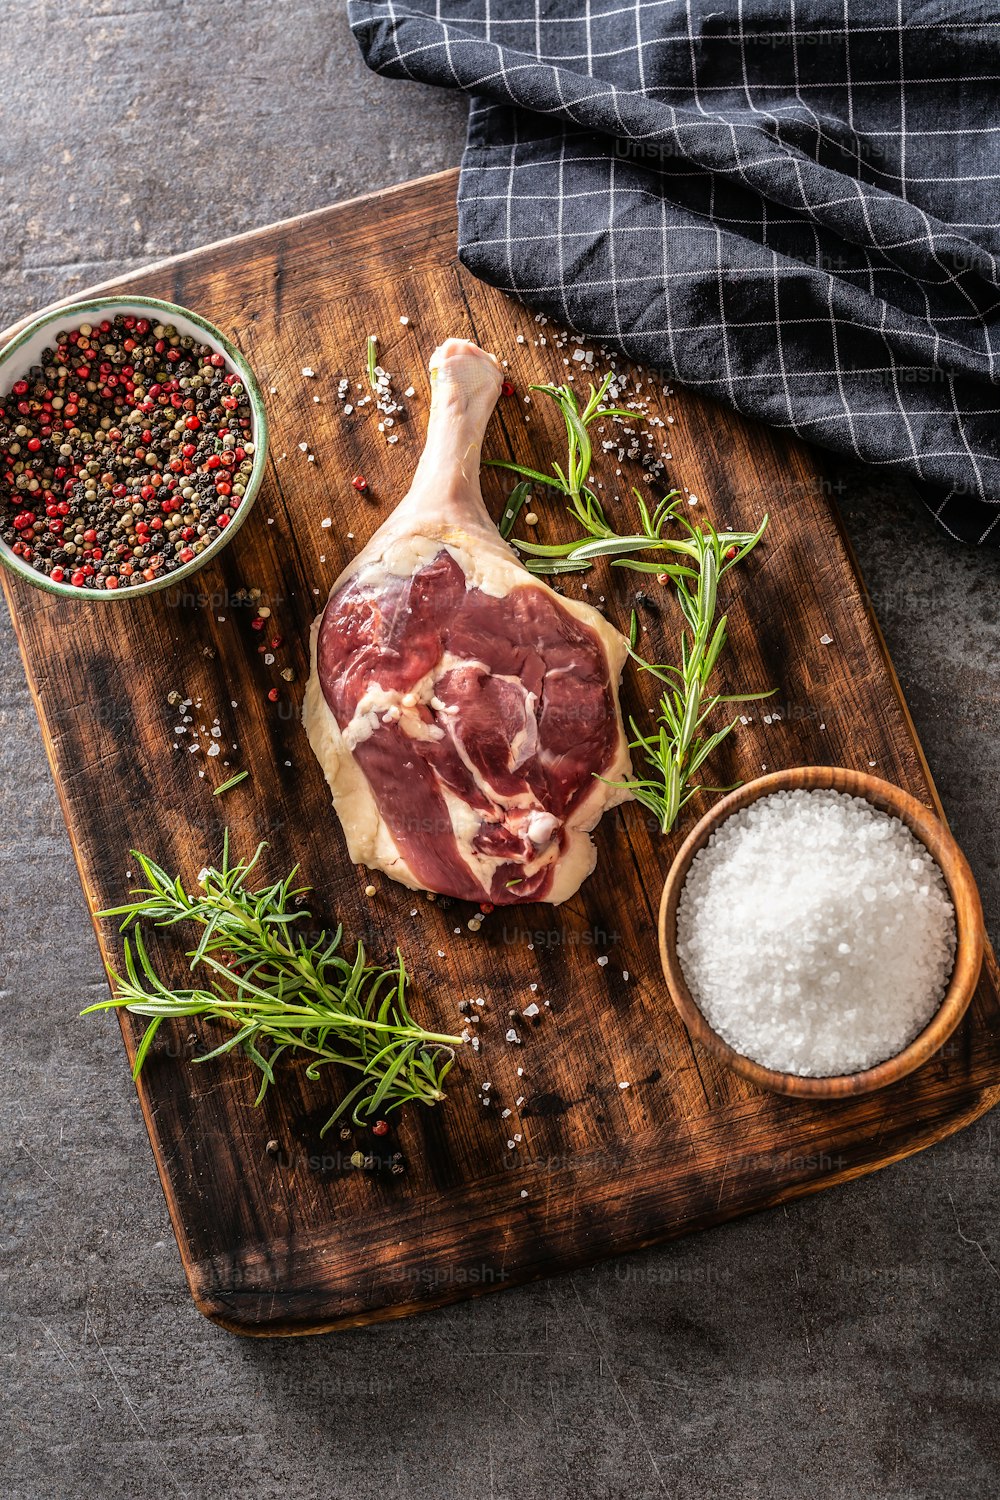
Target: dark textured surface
845, 283
841, 1347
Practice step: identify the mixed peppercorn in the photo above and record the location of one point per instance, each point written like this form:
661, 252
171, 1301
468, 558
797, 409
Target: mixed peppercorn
123, 454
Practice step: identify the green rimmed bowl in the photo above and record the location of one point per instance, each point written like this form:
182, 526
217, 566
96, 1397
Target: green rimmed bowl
25, 350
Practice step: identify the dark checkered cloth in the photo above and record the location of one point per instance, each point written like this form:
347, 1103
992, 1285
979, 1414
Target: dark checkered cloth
790, 204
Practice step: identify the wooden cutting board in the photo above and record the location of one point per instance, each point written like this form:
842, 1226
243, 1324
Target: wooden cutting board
296, 1240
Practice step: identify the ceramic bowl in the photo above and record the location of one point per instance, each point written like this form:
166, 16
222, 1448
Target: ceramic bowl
24, 351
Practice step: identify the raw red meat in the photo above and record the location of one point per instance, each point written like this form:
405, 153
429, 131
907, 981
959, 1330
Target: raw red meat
463, 711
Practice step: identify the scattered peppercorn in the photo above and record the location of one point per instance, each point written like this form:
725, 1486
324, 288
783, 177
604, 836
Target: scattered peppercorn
381, 1127
273, 695
123, 454
360, 483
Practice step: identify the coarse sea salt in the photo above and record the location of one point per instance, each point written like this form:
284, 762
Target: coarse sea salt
816, 933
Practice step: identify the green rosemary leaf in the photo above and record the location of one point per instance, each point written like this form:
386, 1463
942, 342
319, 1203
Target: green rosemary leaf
533, 474
515, 503
144, 1046
545, 549
541, 565
227, 786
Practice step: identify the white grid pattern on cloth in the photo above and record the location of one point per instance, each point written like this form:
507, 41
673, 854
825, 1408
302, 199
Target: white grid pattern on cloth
782, 216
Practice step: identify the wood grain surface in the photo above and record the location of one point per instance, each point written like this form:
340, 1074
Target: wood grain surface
294, 1239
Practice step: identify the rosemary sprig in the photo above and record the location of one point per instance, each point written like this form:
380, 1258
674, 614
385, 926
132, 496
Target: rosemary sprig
680, 743
570, 481
279, 990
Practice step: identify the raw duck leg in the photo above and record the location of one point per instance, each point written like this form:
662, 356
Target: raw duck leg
461, 710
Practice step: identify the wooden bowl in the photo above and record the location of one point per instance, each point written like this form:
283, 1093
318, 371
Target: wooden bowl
935, 837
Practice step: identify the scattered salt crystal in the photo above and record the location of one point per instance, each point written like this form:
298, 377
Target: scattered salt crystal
837, 921
327, 521
404, 321
530, 1010
826, 640
524, 1192
512, 1035
603, 960
307, 372
303, 447
624, 1085
625, 975
520, 1098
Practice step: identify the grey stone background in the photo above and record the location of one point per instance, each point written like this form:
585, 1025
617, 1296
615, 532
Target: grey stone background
842, 1347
